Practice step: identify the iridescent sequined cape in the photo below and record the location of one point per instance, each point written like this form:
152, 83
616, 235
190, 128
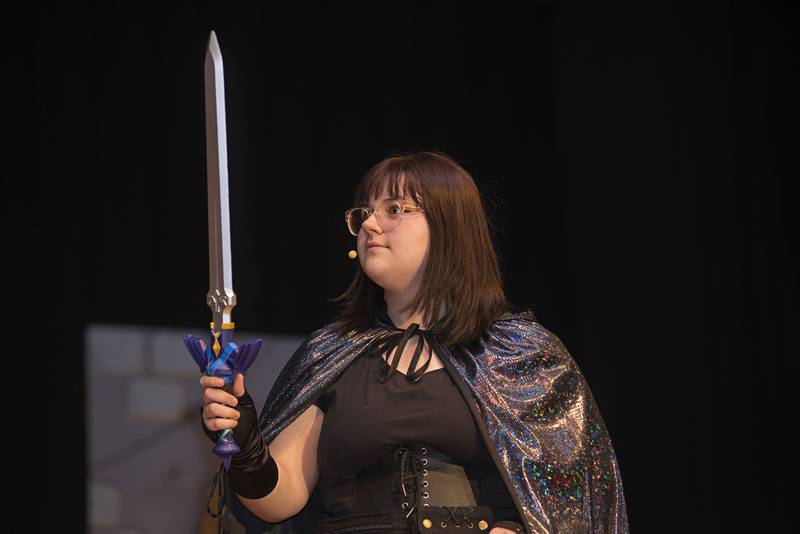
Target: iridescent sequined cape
532, 405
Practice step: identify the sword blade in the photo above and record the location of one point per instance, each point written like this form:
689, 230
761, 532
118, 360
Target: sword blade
220, 297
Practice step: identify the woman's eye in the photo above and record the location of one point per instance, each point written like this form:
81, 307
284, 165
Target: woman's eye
395, 209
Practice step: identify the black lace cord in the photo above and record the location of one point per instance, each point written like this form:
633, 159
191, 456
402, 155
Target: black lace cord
409, 472
452, 510
466, 517
396, 341
416, 374
449, 515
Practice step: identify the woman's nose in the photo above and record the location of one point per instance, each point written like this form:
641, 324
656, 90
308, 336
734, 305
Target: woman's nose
370, 224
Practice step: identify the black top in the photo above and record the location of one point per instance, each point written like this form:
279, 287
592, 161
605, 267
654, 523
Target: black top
372, 409
384, 415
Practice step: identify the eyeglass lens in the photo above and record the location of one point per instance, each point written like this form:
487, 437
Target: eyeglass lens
388, 217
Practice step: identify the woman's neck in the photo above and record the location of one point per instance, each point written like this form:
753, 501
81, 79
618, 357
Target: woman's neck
401, 319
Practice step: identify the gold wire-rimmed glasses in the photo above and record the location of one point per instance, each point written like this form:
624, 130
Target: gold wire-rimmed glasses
388, 217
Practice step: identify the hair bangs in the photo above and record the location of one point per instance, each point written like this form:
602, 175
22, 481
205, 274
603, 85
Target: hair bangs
400, 180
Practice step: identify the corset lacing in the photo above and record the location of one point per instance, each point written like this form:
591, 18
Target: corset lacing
411, 474
464, 516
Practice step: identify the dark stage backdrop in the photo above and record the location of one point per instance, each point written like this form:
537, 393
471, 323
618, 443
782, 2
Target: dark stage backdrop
638, 160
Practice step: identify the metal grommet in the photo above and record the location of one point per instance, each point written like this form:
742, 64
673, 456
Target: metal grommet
423, 450
404, 505
470, 524
424, 461
424, 472
426, 504
425, 495
444, 525
425, 483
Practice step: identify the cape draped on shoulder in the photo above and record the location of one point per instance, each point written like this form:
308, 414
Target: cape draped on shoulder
532, 404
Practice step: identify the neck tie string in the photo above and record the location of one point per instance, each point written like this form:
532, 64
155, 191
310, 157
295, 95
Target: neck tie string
396, 342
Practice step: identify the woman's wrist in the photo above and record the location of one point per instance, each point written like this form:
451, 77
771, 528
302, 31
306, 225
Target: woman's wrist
510, 525
253, 473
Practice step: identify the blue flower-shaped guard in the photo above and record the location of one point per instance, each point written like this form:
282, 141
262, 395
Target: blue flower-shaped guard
231, 359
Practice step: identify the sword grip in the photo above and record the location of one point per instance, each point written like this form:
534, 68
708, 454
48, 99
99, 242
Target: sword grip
228, 388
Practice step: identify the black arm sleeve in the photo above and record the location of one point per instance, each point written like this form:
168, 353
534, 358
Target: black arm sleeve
324, 400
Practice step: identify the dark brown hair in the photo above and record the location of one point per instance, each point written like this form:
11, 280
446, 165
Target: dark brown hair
463, 269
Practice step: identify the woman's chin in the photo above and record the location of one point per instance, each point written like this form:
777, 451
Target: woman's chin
379, 274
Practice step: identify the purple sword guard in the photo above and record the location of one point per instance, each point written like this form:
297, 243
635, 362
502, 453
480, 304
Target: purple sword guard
223, 358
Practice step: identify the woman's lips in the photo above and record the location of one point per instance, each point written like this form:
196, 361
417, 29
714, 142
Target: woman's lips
374, 245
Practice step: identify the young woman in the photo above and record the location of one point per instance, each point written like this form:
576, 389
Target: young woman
429, 404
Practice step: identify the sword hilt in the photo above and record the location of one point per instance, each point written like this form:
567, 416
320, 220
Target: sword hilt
223, 358
221, 346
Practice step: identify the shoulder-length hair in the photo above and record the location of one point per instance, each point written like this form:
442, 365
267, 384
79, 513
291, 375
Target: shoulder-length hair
462, 272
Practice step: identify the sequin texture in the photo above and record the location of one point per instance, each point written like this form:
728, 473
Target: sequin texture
532, 403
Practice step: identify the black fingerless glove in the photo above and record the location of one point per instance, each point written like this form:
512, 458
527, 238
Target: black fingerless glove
253, 473
248, 421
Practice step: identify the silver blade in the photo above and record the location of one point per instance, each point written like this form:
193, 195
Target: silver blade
221, 297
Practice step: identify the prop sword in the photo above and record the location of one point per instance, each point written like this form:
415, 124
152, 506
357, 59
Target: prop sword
222, 357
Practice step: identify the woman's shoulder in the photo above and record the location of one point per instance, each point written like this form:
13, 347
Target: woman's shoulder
319, 349
518, 314
520, 331
518, 322
330, 338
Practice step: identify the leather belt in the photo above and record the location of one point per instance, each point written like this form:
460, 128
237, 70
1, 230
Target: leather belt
416, 486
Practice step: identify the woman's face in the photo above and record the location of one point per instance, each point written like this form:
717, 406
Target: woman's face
400, 260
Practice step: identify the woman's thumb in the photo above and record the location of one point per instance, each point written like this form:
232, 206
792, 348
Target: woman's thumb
238, 385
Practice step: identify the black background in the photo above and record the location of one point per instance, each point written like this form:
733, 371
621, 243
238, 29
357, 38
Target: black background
638, 158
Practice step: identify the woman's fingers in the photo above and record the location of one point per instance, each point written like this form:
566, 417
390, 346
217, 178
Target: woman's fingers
217, 417
220, 396
214, 409
220, 423
215, 393
218, 411
216, 382
211, 381
238, 385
